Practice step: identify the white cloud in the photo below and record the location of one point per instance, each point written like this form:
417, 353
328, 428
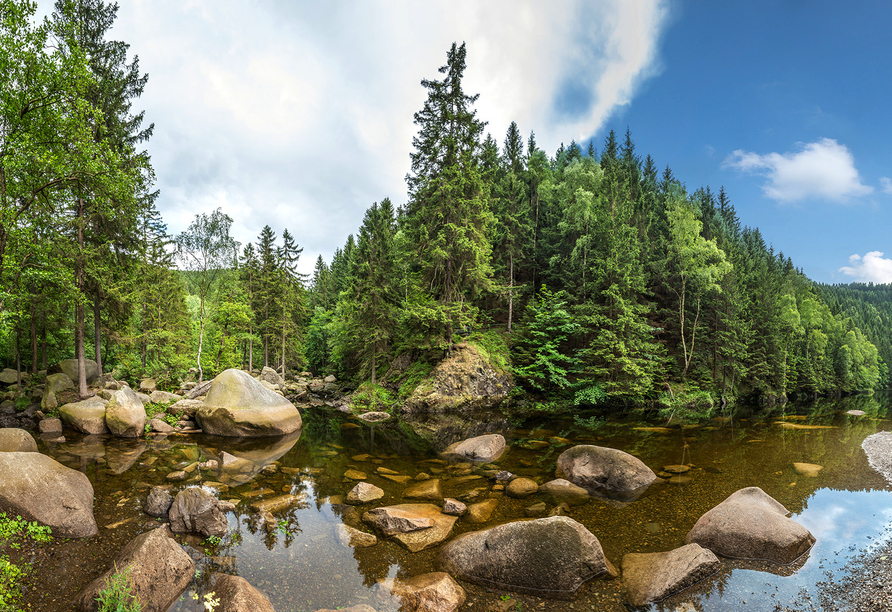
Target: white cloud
298, 114
824, 170
873, 267
886, 184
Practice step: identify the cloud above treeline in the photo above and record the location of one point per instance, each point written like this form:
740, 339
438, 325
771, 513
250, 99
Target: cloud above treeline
823, 170
872, 268
299, 114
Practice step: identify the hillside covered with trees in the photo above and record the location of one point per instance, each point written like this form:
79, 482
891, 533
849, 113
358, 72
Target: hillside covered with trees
595, 274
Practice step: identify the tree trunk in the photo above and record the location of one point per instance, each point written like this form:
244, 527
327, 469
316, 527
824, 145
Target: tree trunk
79, 307
374, 351
265, 350
510, 293
33, 337
97, 332
200, 340
251, 349
283, 346
18, 361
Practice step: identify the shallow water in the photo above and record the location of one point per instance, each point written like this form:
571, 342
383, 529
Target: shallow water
302, 567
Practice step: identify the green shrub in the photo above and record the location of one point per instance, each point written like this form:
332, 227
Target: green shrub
493, 348
117, 595
414, 376
372, 397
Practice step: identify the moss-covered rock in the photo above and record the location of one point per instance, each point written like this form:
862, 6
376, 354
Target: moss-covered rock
125, 415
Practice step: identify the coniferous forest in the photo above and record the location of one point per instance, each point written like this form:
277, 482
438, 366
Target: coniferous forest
592, 272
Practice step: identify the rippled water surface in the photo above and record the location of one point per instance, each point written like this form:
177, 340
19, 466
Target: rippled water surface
301, 565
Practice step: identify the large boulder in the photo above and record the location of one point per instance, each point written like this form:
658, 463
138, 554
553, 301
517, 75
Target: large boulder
238, 595
605, 471
58, 382
239, 406
196, 510
650, 577
87, 416
15, 440
465, 381
554, 555
482, 449
750, 524
38, 488
69, 368
125, 415
9, 376
158, 568
415, 526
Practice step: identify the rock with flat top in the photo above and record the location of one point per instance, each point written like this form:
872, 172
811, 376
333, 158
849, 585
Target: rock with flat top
364, 493
87, 416
415, 526
239, 406
350, 537
808, 469
430, 490
651, 577
750, 524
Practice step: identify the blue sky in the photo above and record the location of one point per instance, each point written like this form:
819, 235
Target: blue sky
298, 114
806, 80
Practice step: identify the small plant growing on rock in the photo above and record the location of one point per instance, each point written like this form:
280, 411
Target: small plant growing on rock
117, 595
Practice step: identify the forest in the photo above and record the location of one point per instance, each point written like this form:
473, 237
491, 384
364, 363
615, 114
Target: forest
592, 273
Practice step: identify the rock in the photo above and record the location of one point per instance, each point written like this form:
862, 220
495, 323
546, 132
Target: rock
676, 469
808, 469
454, 507
159, 426
350, 537
605, 471
58, 383
856, 412
122, 454
239, 406
145, 399
195, 510
535, 510
87, 416
482, 449
433, 592
556, 555
50, 426
415, 526
565, 491
125, 415
330, 379
49, 401
651, 577
9, 376
159, 501
374, 417
750, 524
356, 608
38, 488
481, 512
280, 502
237, 595
521, 487
271, 376
185, 407
162, 397
69, 368
463, 382
148, 385
430, 490
14, 440
355, 475
177, 476
364, 493
160, 570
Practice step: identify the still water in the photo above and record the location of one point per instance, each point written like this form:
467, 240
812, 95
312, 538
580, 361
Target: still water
300, 563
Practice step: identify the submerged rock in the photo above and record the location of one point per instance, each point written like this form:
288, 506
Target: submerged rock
808, 469
433, 592
350, 537
555, 555
159, 571
651, 577
605, 471
364, 493
196, 510
40, 489
239, 406
415, 526
565, 491
750, 524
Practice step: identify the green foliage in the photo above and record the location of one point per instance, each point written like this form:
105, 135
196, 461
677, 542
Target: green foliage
687, 404
589, 395
12, 533
416, 374
493, 348
10, 591
117, 594
542, 359
371, 396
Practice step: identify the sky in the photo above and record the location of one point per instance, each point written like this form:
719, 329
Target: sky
298, 114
